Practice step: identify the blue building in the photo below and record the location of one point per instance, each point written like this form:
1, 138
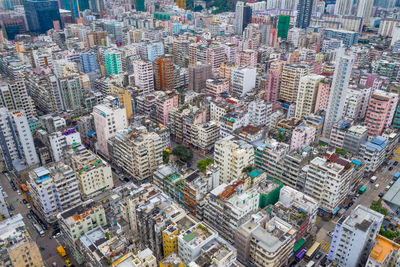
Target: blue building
76, 6
88, 62
40, 14
349, 38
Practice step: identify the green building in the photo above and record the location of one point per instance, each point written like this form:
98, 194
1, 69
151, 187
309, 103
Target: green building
396, 118
113, 62
283, 26
140, 5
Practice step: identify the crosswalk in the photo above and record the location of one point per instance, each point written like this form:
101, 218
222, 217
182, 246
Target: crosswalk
325, 246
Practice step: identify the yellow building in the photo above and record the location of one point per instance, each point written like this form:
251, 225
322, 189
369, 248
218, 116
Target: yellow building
384, 254
25, 254
181, 3
290, 79
124, 100
170, 239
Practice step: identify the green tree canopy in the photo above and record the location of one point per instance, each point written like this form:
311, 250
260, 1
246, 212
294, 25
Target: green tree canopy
183, 152
202, 164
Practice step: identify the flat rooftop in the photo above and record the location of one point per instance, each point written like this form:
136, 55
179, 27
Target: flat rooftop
362, 218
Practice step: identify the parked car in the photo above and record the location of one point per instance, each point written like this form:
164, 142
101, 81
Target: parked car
29, 216
395, 163
390, 168
391, 183
121, 179
330, 234
387, 188
12, 207
24, 201
28, 206
376, 186
126, 179
18, 192
381, 195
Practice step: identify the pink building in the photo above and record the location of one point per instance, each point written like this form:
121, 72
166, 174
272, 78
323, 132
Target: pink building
164, 104
322, 95
302, 136
108, 119
215, 56
272, 84
380, 112
216, 86
273, 37
246, 58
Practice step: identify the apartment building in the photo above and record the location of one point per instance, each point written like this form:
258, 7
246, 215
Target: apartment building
329, 180
246, 57
164, 73
384, 254
232, 121
265, 241
338, 133
290, 79
16, 140
144, 78
137, 151
182, 120
374, 152
355, 235
322, 95
228, 206
218, 252
78, 220
380, 111
268, 153
205, 135
164, 104
14, 97
59, 141
307, 95
243, 80
171, 232
94, 174
18, 248
198, 75
113, 61
217, 86
259, 112
53, 189
108, 119
232, 156
302, 136
142, 258
215, 57
191, 241
354, 137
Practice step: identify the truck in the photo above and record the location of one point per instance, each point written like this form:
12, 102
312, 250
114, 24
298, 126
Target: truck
61, 251
38, 229
373, 179
396, 175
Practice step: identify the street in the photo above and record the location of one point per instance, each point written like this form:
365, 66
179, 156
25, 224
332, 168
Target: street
47, 244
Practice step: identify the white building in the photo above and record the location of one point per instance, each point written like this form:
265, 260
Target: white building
259, 112
354, 237
108, 119
243, 80
53, 189
144, 77
61, 140
239, 17
16, 140
338, 90
364, 10
307, 95
231, 156
191, 241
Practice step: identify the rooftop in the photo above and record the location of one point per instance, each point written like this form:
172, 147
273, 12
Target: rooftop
393, 195
362, 218
383, 247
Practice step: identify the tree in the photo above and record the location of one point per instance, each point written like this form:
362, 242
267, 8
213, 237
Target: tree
165, 156
198, 9
107, 235
247, 169
184, 153
202, 164
340, 151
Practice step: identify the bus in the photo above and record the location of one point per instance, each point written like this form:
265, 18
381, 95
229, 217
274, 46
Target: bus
311, 252
38, 229
301, 254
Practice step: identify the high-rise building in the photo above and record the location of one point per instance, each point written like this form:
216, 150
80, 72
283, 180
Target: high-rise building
283, 26
215, 57
380, 111
53, 189
307, 95
354, 236
217, 86
71, 92
137, 152
76, 6
243, 80
364, 10
290, 79
94, 174
140, 5
231, 156
242, 17
344, 7
304, 9
108, 119
144, 78
40, 14
247, 57
164, 73
88, 62
198, 75
181, 3
338, 90
113, 60
13, 26
14, 96
16, 140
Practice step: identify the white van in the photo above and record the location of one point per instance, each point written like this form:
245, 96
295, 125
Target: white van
376, 186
